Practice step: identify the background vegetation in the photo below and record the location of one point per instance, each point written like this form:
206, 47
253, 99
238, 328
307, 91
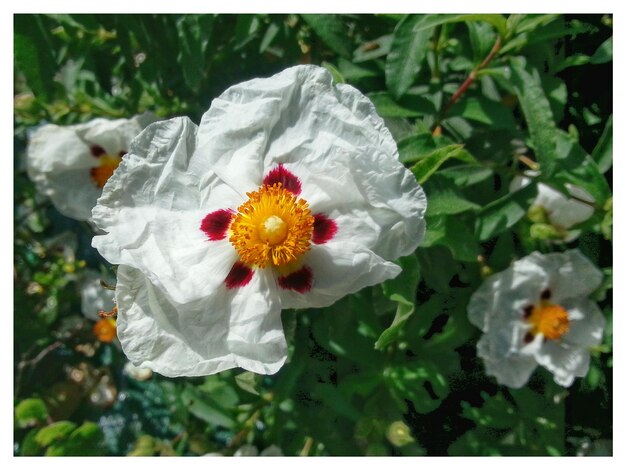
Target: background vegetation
472, 100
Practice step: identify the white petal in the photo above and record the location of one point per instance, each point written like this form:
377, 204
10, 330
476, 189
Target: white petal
586, 323
512, 371
572, 275
149, 209
231, 328
338, 268
114, 135
562, 211
565, 361
73, 192
503, 296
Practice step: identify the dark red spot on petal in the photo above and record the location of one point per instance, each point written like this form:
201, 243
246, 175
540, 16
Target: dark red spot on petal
239, 275
121, 153
288, 180
300, 280
546, 294
216, 224
528, 310
528, 337
96, 150
324, 229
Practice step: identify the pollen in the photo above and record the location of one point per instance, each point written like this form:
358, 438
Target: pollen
106, 166
549, 319
273, 227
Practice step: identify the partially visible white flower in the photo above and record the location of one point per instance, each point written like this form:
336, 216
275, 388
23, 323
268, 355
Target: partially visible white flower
93, 296
537, 313
562, 211
249, 450
138, 373
71, 164
289, 194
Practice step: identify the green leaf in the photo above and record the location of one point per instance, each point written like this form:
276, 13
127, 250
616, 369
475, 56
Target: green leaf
603, 152
482, 37
496, 412
427, 165
337, 77
402, 290
467, 175
538, 114
485, 111
194, 33
206, 408
408, 51
420, 382
453, 233
332, 31
414, 147
33, 55
29, 446
31, 411
497, 21
503, 213
604, 53
444, 198
84, 441
409, 106
54, 432
247, 381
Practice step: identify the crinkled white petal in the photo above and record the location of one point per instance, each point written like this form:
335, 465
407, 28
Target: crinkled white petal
338, 268
231, 328
299, 118
151, 212
94, 297
59, 159
573, 275
512, 371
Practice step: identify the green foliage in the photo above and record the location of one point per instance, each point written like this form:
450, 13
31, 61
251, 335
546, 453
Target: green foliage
472, 100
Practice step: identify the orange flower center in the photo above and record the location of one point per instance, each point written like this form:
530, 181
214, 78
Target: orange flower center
272, 227
549, 319
107, 165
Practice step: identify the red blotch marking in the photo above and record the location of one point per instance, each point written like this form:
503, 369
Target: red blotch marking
324, 229
121, 153
239, 275
300, 281
96, 150
288, 180
216, 224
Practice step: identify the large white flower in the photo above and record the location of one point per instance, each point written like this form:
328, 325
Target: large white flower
71, 164
537, 313
289, 194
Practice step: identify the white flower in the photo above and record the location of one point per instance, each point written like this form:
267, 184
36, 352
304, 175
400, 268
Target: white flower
249, 450
537, 313
71, 164
562, 212
93, 296
289, 194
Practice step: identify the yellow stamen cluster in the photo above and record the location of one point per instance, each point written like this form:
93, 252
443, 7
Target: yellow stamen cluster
107, 165
272, 227
549, 319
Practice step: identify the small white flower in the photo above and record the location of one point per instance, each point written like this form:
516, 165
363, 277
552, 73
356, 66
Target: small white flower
71, 164
562, 212
289, 194
537, 313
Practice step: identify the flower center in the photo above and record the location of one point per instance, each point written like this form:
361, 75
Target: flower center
549, 319
272, 227
106, 167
